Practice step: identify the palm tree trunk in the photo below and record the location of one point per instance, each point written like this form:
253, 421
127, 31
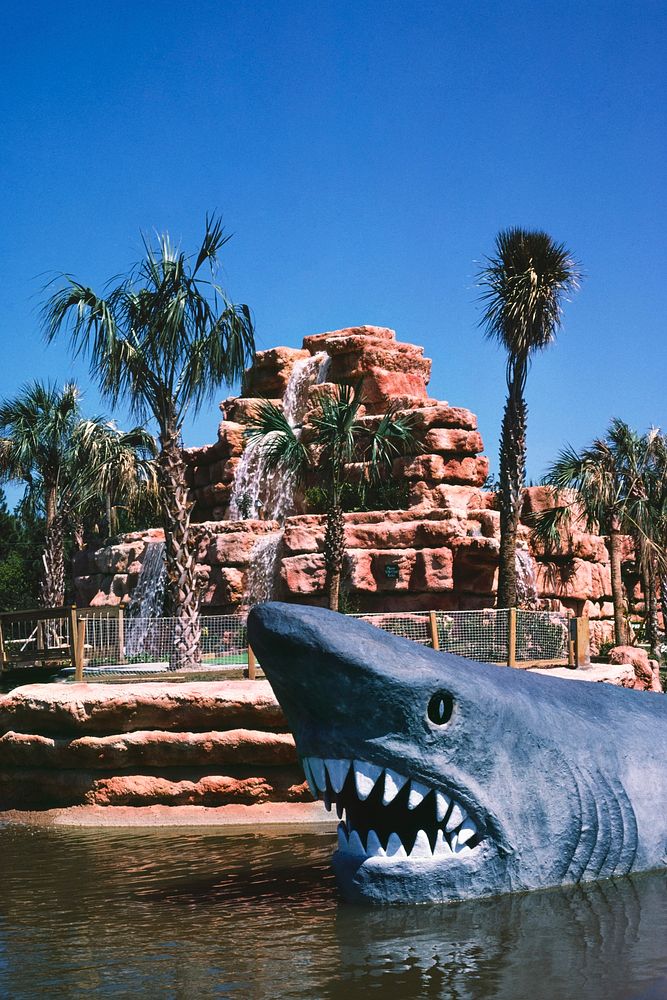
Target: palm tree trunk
621, 636
79, 536
52, 583
649, 586
180, 552
334, 551
663, 601
512, 479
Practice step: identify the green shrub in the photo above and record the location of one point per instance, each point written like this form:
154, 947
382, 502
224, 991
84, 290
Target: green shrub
391, 495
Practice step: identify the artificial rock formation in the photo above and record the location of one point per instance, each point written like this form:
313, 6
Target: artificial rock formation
443, 548
208, 744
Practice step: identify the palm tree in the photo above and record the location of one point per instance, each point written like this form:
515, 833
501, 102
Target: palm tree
339, 437
524, 286
164, 339
66, 462
655, 532
611, 494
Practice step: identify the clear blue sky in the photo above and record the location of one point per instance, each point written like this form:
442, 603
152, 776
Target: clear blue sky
364, 154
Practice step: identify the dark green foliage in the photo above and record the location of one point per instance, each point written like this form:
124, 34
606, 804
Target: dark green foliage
21, 541
389, 495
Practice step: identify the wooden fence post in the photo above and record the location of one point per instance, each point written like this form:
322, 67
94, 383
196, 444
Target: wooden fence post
433, 619
582, 642
511, 637
121, 636
80, 644
2, 649
252, 663
571, 661
76, 652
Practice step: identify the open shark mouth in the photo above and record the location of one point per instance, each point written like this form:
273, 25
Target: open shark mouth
388, 815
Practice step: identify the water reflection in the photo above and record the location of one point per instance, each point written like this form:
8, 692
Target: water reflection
179, 913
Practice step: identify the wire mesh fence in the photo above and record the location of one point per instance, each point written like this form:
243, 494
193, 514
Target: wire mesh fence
415, 625
478, 635
542, 636
123, 642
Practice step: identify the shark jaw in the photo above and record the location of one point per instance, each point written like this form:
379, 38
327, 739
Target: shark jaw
388, 815
397, 832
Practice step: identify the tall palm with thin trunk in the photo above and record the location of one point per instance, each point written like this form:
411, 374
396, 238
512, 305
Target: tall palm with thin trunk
524, 285
164, 339
658, 500
339, 438
65, 461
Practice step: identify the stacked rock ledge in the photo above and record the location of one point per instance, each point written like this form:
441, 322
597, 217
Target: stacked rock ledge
206, 744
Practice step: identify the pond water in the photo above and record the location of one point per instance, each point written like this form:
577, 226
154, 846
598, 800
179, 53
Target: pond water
194, 914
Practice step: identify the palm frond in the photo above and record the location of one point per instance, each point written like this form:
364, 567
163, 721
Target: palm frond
270, 430
393, 438
524, 285
164, 338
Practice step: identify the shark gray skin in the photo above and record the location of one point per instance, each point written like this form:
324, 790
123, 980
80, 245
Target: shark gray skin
460, 779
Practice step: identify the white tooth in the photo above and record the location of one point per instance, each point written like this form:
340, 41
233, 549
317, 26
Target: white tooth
442, 802
342, 837
457, 816
373, 845
393, 783
354, 845
337, 773
365, 776
316, 765
454, 842
417, 793
395, 848
467, 830
309, 777
422, 848
459, 848
441, 844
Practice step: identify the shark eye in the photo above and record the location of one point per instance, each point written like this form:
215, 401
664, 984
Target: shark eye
440, 708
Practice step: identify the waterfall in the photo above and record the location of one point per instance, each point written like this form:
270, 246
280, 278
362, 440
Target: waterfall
147, 600
273, 494
526, 580
260, 581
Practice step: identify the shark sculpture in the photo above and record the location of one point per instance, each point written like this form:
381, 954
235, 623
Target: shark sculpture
455, 779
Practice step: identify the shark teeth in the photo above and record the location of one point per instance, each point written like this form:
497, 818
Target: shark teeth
388, 815
337, 771
393, 783
417, 793
365, 776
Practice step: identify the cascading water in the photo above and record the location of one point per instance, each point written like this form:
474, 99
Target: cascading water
526, 580
272, 495
256, 491
260, 580
147, 601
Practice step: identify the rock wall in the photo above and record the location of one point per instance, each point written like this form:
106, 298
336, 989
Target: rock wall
208, 744
443, 548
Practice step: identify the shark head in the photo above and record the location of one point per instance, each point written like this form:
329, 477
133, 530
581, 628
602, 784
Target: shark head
454, 779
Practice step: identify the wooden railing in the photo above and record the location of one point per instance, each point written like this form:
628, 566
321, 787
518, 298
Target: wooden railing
53, 639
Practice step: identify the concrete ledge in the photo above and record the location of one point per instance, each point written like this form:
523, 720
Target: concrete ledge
621, 674
240, 817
